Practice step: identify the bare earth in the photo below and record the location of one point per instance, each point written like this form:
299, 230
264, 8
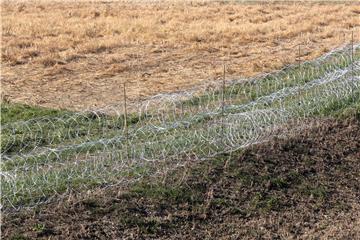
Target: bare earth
77, 55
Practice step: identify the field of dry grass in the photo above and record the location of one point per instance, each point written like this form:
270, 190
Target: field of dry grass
77, 55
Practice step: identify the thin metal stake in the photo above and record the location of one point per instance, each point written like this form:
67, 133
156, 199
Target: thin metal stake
223, 104
299, 55
125, 122
352, 53
223, 89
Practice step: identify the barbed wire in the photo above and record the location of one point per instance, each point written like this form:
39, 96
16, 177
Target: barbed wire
45, 157
30, 135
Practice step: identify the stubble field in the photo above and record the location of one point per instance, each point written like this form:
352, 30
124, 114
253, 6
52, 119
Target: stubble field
77, 55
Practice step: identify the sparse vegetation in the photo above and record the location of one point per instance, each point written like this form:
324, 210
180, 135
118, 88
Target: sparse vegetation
267, 182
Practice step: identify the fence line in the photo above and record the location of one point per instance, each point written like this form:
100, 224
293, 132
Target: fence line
44, 157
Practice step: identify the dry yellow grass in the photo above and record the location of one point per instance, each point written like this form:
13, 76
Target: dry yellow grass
77, 54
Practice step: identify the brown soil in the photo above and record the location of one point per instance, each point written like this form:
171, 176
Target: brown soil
77, 54
305, 186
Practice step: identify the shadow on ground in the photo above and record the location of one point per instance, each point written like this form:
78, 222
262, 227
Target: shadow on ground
304, 185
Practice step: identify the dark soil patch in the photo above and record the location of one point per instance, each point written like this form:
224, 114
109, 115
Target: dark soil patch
305, 186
